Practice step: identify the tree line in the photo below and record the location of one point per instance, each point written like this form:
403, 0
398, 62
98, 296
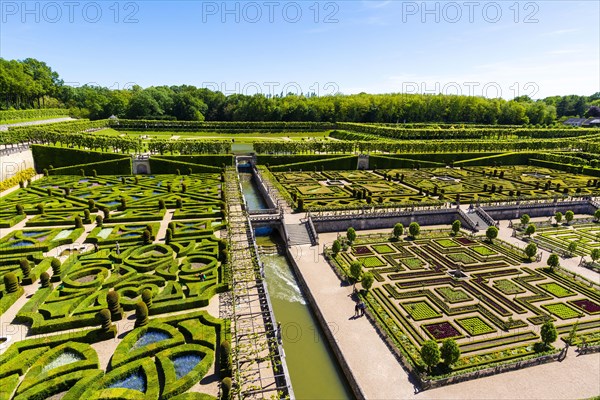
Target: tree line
31, 83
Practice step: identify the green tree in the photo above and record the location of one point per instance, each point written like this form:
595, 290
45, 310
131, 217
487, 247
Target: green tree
553, 261
398, 230
351, 234
367, 281
530, 230
597, 214
531, 250
456, 227
558, 217
548, 333
491, 233
572, 247
430, 354
569, 215
525, 219
355, 270
414, 229
595, 255
450, 352
336, 247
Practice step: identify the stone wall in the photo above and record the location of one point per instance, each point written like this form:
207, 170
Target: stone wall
539, 209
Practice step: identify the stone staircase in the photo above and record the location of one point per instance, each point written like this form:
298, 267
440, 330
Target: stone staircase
479, 222
298, 234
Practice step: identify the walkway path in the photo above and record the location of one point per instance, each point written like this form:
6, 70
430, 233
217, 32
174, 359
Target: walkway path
4, 127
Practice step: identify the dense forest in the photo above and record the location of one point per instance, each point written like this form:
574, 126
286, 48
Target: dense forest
33, 84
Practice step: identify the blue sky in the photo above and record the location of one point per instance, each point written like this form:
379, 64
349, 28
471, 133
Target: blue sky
495, 49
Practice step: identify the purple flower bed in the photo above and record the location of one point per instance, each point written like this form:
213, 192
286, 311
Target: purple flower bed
464, 241
443, 330
362, 250
587, 306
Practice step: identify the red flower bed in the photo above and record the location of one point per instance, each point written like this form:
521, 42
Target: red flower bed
587, 306
362, 250
442, 330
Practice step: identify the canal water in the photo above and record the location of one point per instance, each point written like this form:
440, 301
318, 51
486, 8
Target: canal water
314, 371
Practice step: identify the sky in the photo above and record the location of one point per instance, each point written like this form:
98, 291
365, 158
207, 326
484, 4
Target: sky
482, 48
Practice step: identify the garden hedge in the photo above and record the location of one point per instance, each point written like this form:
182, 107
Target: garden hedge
44, 156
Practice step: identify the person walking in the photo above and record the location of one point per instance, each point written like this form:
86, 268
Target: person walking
118, 248
356, 309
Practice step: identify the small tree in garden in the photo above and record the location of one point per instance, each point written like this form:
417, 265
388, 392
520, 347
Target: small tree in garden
178, 203
336, 247
86, 214
367, 281
161, 204
20, 209
558, 217
530, 230
99, 220
398, 230
91, 204
106, 212
94, 173
414, 229
450, 352
569, 215
548, 333
113, 301
573, 334
146, 236
553, 261
226, 362
355, 270
123, 203
78, 222
11, 283
44, 279
597, 214
595, 255
105, 319
531, 250
141, 314
430, 354
168, 236
491, 233
183, 187
456, 227
226, 388
40, 208
55, 264
25, 267
525, 219
169, 188
351, 234
572, 247
147, 297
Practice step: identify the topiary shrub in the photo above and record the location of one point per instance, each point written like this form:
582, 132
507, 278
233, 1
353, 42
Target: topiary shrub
106, 213
56, 270
161, 204
20, 209
78, 222
178, 203
99, 220
169, 188
146, 237
21, 184
91, 204
226, 388
225, 355
45, 171
81, 172
40, 208
147, 298
11, 283
45, 279
94, 173
105, 320
86, 214
25, 267
141, 314
114, 305
183, 188
169, 236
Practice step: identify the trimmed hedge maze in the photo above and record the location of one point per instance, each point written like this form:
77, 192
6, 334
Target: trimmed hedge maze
430, 186
156, 289
484, 295
586, 236
161, 360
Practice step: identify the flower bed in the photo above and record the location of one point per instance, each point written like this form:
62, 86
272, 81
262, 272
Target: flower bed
586, 305
383, 249
475, 326
442, 330
371, 261
420, 310
562, 311
556, 290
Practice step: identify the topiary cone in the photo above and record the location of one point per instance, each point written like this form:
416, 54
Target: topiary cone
141, 314
11, 283
105, 319
45, 279
147, 298
226, 389
112, 298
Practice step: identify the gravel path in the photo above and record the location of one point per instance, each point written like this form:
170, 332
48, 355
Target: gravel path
4, 127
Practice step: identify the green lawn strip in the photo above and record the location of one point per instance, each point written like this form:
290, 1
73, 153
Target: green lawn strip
556, 290
562, 311
474, 326
420, 310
